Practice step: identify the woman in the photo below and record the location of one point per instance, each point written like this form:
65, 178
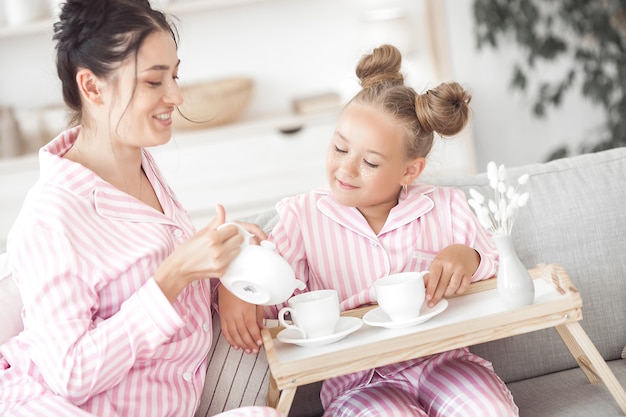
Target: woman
112, 274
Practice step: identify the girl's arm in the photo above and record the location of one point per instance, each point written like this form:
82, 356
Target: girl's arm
241, 321
472, 256
451, 272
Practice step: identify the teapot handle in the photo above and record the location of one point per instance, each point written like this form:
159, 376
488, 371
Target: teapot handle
243, 232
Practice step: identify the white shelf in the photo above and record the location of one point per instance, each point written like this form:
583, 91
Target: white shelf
32, 28
176, 7
188, 6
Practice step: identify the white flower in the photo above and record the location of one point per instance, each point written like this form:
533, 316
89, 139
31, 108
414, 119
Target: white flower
523, 179
523, 199
478, 197
492, 170
501, 173
498, 214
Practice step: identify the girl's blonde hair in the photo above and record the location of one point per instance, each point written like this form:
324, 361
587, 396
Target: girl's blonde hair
443, 109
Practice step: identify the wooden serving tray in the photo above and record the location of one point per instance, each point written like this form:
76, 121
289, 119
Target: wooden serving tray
476, 317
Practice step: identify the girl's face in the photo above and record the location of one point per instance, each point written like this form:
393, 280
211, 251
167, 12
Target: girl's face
144, 92
366, 163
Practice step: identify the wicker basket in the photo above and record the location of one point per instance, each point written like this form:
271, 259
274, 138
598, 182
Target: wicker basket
212, 103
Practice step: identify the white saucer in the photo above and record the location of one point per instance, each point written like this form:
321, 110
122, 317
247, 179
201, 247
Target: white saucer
345, 326
377, 317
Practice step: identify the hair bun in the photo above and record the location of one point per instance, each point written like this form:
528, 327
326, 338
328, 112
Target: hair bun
444, 109
382, 66
78, 21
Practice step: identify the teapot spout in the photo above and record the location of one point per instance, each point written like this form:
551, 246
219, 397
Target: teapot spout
300, 285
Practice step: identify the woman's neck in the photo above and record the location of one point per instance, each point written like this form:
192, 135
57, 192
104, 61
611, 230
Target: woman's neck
116, 163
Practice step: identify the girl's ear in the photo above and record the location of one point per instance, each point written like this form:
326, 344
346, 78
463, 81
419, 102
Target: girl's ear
414, 169
89, 86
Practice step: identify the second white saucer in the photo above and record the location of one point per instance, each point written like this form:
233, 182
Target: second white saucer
377, 317
345, 326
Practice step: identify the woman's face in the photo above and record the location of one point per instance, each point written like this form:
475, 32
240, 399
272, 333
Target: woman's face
366, 164
145, 93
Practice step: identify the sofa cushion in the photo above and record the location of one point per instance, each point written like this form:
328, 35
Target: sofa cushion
575, 217
233, 379
567, 394
11, 305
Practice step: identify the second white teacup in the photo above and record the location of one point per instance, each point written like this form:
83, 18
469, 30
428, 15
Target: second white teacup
314, 313
401, 295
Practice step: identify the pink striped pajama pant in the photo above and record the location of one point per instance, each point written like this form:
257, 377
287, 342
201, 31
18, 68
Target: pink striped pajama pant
56, 406
450, 384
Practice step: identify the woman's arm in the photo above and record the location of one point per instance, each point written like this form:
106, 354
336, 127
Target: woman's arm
78, 350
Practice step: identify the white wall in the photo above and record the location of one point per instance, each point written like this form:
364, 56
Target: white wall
298, 47
504, 128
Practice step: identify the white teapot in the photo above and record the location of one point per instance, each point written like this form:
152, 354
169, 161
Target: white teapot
259, 275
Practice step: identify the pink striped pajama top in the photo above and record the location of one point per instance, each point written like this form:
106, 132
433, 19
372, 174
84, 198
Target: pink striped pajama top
99, 333
332, 246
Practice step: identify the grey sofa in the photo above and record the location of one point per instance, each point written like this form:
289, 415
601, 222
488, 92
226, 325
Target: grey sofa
576, 217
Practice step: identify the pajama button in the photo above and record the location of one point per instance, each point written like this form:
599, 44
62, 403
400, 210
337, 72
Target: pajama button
206, 327
178, 233
187, 376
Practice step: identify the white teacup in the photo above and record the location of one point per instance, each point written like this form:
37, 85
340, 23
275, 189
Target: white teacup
401, 295
314, 313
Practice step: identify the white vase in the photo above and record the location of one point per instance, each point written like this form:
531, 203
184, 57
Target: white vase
515, 286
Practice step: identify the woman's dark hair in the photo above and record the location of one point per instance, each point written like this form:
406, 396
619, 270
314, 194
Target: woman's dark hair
443, 109
99, 35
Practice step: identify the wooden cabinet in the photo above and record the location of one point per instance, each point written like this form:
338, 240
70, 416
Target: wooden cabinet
247, 167
17, 175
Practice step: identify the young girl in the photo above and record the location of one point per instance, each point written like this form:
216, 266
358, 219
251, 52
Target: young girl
117, 317
374, 220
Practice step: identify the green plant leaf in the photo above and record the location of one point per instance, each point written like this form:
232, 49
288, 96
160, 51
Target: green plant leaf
589, 34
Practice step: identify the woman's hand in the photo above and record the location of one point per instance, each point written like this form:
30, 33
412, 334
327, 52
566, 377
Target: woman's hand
450, 272
206, 254
241, 321
258, 233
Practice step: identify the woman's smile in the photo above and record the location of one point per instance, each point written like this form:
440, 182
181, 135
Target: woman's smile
164, 118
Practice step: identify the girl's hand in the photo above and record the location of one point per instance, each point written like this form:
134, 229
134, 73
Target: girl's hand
241, 321
450, 272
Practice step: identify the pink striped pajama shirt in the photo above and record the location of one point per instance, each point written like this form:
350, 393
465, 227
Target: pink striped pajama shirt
100, 337
333, 246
